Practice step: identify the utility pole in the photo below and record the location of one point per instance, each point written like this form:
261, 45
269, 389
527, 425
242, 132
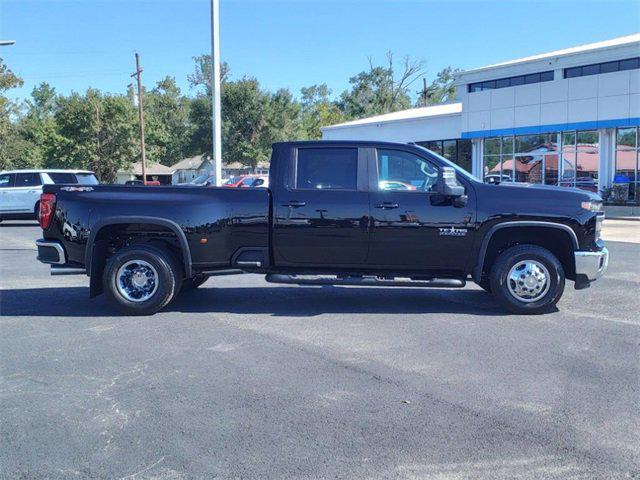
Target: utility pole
141, 117
215, 92
425, 92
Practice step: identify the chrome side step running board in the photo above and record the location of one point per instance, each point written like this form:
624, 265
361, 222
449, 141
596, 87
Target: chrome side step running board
364, 281
67, 271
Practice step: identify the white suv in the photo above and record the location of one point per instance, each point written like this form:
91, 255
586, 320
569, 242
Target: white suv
20, 190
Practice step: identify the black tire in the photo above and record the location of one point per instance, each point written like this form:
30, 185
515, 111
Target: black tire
193, 282
485, 284
169, 279
499, 280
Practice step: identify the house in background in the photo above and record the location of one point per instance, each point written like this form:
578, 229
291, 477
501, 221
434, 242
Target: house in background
236, 169
154, 171
186, 170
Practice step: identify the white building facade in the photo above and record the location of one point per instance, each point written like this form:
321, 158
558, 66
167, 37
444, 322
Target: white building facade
566, 118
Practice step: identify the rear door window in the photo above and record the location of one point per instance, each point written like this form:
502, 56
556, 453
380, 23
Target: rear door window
62, 177
7, 180
86, 179
327, 168
28, 180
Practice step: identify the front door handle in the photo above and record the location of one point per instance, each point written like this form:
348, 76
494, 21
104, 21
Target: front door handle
294, 204
387, 205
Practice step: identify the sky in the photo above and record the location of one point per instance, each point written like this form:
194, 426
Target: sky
75, 44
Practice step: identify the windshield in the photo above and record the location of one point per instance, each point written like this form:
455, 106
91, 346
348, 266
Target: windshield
449, 163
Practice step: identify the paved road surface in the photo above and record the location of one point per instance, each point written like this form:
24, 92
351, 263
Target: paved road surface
242, 379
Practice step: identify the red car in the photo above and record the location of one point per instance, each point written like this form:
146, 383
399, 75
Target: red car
242, 181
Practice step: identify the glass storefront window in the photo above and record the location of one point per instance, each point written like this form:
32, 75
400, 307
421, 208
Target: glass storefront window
456, 150
627, 160
560, 158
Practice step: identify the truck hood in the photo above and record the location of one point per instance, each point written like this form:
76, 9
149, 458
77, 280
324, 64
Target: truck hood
544, 190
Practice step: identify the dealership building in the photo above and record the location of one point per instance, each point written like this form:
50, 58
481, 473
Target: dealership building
568, 118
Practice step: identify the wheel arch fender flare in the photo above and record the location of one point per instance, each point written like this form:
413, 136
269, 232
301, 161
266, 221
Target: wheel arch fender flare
147, 220
477, 271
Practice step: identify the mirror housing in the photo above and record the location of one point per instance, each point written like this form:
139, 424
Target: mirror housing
447, 183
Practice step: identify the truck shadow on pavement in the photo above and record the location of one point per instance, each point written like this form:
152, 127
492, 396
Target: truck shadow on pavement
275, 301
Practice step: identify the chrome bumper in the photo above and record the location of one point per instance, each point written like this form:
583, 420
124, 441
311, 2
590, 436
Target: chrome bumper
592, 264
51, 252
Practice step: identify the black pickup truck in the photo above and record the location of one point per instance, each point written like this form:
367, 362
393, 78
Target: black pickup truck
339, 213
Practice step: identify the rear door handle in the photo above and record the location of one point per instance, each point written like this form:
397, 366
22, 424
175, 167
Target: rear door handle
294, 204
387, 205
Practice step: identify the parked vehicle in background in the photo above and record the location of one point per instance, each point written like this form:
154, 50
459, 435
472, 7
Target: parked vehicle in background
260, 182
326, 220
583, 183
395, 185
20, 190
242, 181
496, 178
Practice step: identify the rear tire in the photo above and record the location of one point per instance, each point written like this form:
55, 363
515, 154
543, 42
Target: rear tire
527, 279
141, 279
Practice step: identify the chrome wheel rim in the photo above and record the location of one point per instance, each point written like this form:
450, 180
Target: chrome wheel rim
528, 281
137, 280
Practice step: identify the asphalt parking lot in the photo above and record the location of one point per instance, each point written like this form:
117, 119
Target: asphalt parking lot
243, 379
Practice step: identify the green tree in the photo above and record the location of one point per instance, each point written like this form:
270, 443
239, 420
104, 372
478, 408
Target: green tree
12, 146
168, 127
381, 89
441, 89
95, 131
317, 110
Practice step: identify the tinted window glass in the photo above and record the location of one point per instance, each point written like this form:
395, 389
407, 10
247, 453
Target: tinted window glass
546, 76
327, 168
609, 67
533, 78
86, 179
590, 69
503, 83
517, 81
490, 85
62, 177
629, 64
573, 72
7, 180
28, 180
399, 170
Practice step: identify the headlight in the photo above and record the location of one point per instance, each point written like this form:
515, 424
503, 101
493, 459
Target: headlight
599, 220
592, 206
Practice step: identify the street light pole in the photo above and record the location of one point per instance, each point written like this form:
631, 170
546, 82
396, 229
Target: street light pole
215, 91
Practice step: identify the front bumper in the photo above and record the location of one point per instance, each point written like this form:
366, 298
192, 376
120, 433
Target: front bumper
591, 265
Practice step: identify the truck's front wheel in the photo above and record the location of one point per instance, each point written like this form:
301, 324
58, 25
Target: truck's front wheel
141, 279
527, 279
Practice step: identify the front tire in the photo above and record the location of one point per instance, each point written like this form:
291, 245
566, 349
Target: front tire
527, 279
141, 279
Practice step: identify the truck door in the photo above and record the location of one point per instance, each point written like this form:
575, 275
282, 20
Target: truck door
321, 208
413, 226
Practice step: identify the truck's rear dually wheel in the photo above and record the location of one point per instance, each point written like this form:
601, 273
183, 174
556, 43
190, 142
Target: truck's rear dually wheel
527, 279
141, 279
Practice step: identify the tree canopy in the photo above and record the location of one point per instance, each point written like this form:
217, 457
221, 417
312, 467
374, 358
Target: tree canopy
100, 131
